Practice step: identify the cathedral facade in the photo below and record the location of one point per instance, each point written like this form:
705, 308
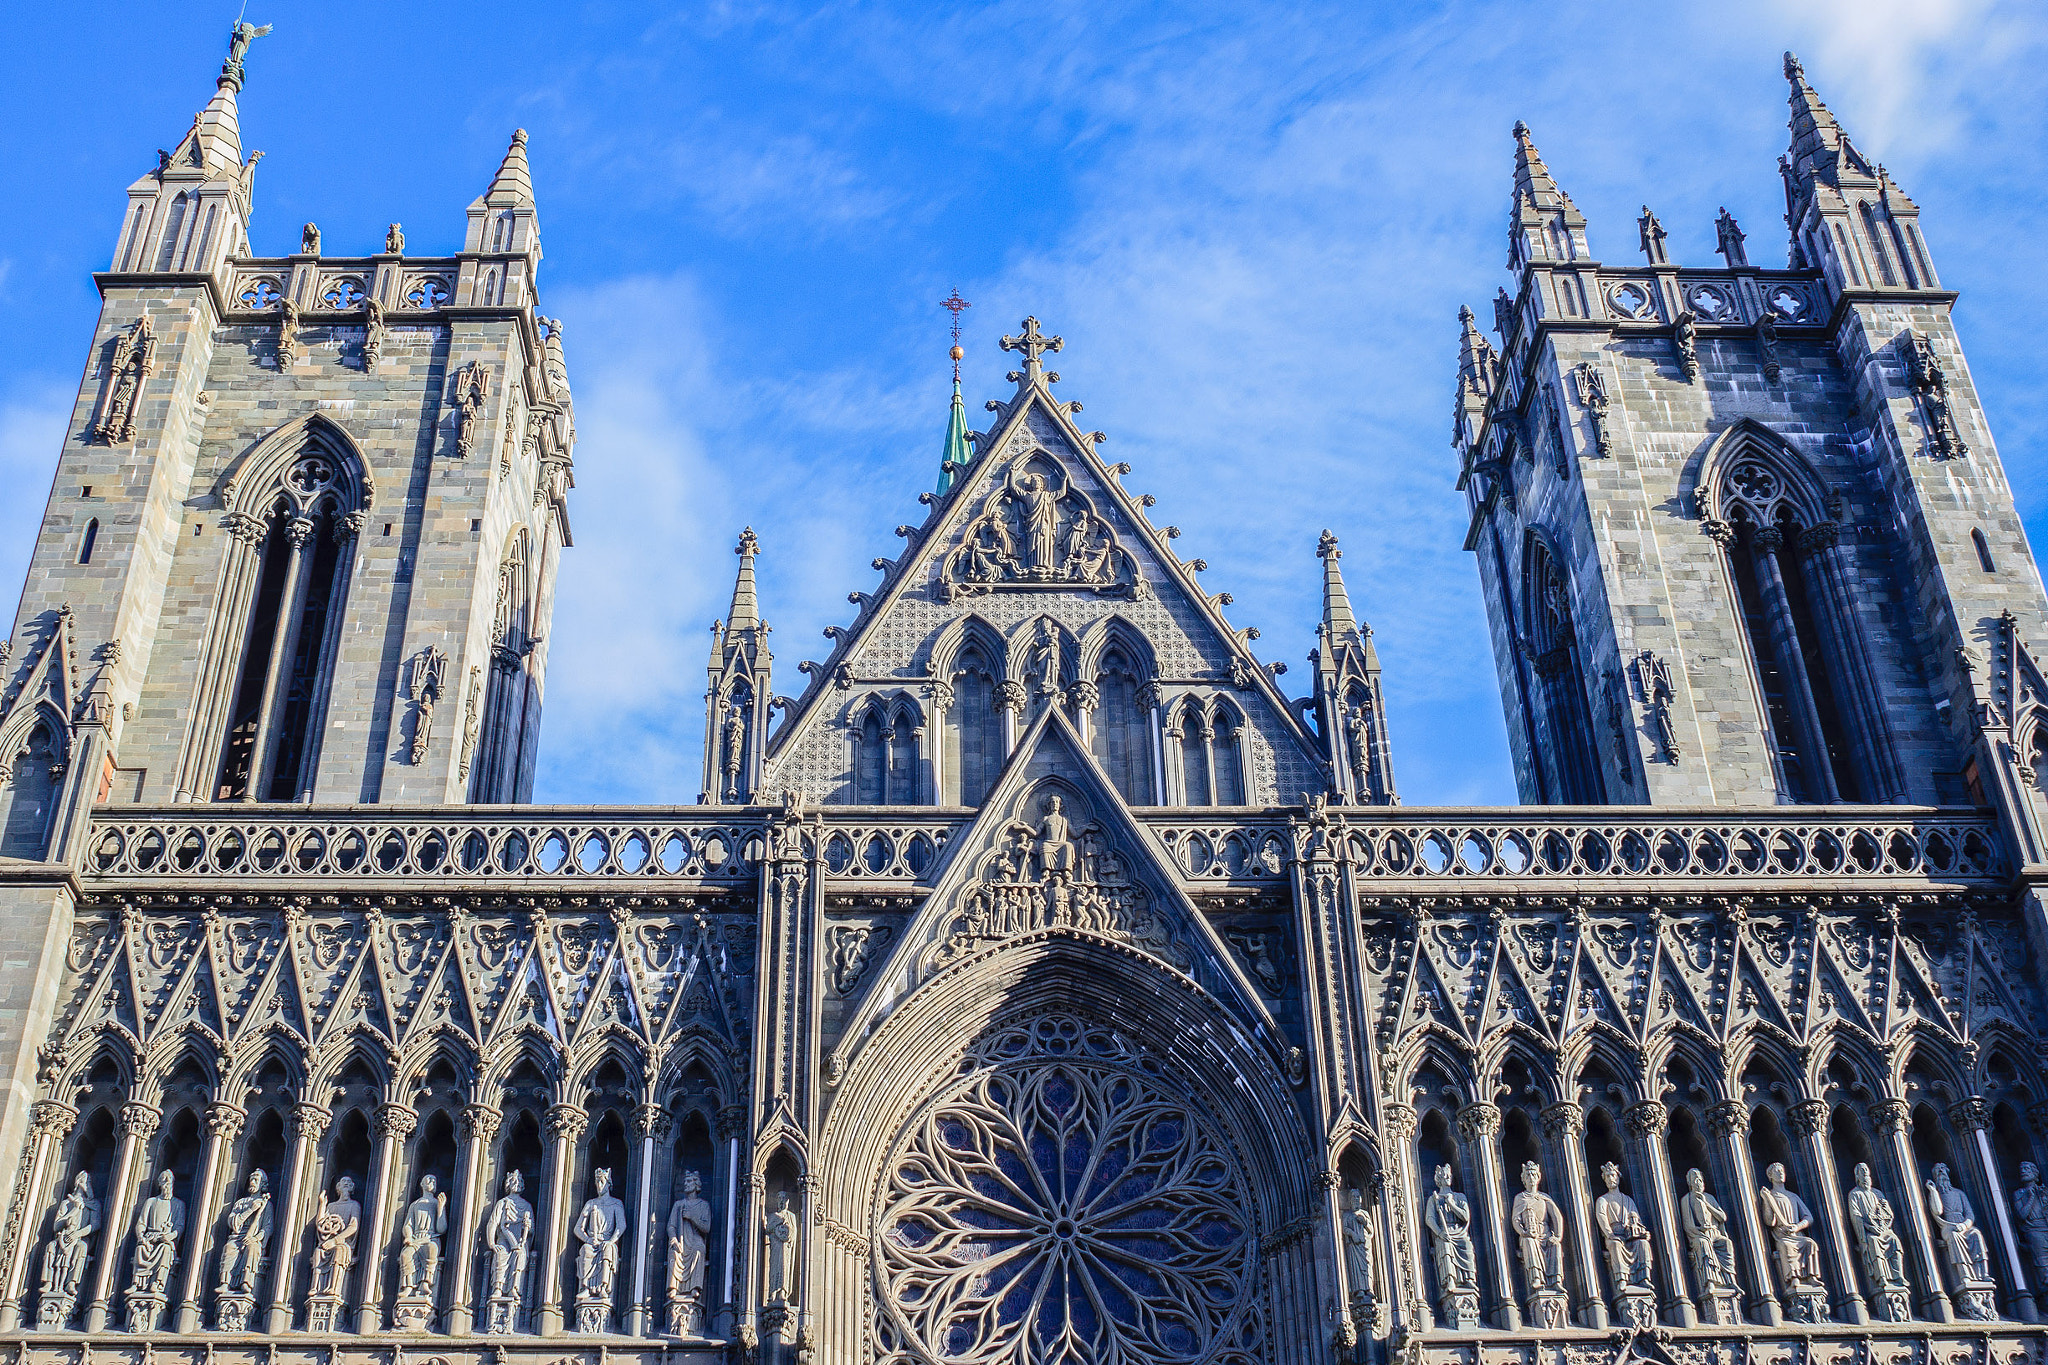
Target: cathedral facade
1043, 981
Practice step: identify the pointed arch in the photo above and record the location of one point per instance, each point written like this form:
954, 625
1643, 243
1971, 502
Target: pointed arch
1117, 662
968, 665
1565, 714
296, 503
887, 734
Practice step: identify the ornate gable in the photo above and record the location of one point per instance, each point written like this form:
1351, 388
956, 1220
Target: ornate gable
1040, 571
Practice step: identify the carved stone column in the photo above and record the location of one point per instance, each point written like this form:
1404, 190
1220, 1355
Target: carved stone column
1893, 1119
49, 1121
1011, 700
308, 1126
1730, 1122
283, 649
732, 1124
565, 1123
1479, 1126
1973, 1116
653, 1122
1792, 665
1646, 1123
1809, 1120
1565, 1127
223, 1123
479, 1125
394, 1125
138, 1125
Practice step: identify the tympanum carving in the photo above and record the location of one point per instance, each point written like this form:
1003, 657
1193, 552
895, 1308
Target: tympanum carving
1036, 530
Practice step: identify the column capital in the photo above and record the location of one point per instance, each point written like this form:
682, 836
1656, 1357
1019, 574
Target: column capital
1768, 540
139, 1120
566, 1122
1971, 1113
1648, 1119
1808, 1118
1562, 1122
224, 1120
652, 1121
395, 1120
1399, 1119
52, 1117
480, 1122
1821, 536
1728, 1118
311, 1119
1892, 1117
1477, 1122
732, 1122
2038, 1115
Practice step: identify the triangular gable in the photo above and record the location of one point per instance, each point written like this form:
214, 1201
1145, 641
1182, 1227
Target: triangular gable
48, 679
962, 562
1026, 870
1509, 1001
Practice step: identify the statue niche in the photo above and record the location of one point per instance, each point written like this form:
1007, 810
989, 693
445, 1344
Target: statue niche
1035, 530
1053, 868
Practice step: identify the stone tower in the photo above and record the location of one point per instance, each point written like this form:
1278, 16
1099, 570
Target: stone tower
266, 568
1743, 532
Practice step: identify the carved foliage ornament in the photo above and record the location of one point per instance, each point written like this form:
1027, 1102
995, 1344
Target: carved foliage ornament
1067, 1204
1036, 530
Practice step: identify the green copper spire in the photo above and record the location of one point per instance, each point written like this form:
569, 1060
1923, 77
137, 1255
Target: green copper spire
957, 453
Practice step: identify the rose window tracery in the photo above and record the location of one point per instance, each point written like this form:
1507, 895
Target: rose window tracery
1066, 1204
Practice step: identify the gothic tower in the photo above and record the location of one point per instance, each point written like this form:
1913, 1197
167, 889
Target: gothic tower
266, 568
1742, 531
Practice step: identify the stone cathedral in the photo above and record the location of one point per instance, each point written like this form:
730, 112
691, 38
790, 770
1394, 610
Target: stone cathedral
1047, 980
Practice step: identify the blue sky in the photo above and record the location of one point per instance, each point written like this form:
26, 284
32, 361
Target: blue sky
1252, 224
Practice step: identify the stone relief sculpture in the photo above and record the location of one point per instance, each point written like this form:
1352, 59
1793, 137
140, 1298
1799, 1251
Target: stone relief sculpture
472, 385
1930, 386
334, 1251
1884, 1255
1358, 1259
373, 333
1035, 530
508, 1232
1969, 1255
599, 1227
778, 1279
1797, 1256
1448, 1216
689, 1232
67, 1254
243, 1253
1627, 1240
2030, 1202
1705, 1224
419, 1258
133, 360
159, 1223
394, 240
1538, 1224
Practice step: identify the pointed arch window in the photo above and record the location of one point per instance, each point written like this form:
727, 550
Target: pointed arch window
1564, 717
1205, 741
887, 739
298, 504
1120, 736
1790, 579
502, 768
31, 771
974, 750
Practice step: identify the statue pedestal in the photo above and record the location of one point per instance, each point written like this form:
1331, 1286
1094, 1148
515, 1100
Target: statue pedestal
1549, 1309
1806, 1303
1636, 1307
145, 1311
501, 1316
53, 1312
593, 1315
686, 1317
231, 1311
323, 1311
1977, 1300
1460, 1310
1893, 1305
411, 1313
1721, 1308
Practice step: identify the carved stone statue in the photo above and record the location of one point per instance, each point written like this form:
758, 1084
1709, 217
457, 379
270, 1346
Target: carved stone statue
1713, 1252
1041, 511
419, 1258
779, 1279
509, 1234
67, 1254
309, 240
1539, 1237
1884, 1255
689, 1231
159, 1223
394, 240
1052, 843
1786, 1218
599, 1227
1358, 1257
1969, 1255
334, 1251
1627, 1241
242, 1254
2030, 1202
1448, 1216
373, 332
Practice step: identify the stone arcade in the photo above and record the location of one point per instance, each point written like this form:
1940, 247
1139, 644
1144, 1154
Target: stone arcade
1045, 983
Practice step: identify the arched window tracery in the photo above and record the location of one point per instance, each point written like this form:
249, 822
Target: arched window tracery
974, 725
31, 773
1120, 734
887, 740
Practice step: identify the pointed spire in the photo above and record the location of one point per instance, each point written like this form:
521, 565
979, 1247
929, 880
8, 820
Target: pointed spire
1339, 624
1653, 236
1533, 180
1547, 225
746, 611
1728, 239
954, 459
514, 183
1816, 137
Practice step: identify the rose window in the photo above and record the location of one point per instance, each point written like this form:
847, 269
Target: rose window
1066, 1207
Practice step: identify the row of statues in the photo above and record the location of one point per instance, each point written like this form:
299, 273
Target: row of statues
600, 1226
1537, 1226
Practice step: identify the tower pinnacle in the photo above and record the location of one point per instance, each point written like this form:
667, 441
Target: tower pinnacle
1547, 225
955, 456
746, 610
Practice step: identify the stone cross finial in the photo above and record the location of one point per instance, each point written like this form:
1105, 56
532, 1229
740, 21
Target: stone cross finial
1033, 344
1326, 548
